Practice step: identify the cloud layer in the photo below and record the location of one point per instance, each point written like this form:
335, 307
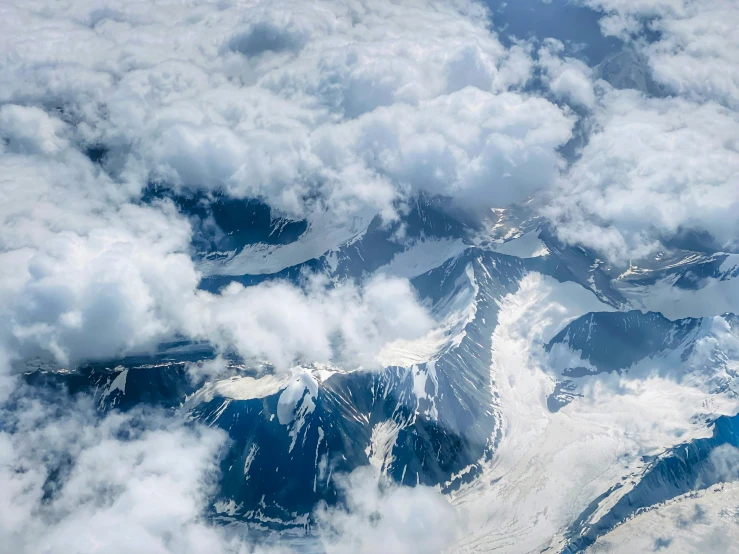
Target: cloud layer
336, 109
344, 105
325, 109
655, 168
652, 168
126, 483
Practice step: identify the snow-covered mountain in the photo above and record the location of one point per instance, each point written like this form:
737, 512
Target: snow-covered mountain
516, 405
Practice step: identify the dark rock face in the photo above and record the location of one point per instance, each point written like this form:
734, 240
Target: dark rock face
613, 341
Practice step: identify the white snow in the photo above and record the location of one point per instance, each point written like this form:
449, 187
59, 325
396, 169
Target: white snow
240, 387
250, 460
296, 402
528, 245
229, 508
423, 256
729, 264
293, 393
705, 521
550, 466
119, 383
382, 442
453, 312
322, 235
715, 297
421, 377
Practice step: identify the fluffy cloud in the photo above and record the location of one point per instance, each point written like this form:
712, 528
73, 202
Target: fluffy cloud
73, 482
382, 517
652, 168
88, 273
334, 108
568, 78
282, 323
481, 149
724, 463
328, 107
696, 54
240, 97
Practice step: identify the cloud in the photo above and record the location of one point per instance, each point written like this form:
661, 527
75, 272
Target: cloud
696, 52
481, 149
76, 482
724, 464
654, 167
379, 516
334, 108
91, 273
243, 104
568, 78
88, 273
113, 292
346, 324
30, 130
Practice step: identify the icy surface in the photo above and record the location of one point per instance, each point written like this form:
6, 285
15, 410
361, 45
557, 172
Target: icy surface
322, 235
526, 246
241, 388
380, 450
423, 256
549, 467
707, 521
715, 297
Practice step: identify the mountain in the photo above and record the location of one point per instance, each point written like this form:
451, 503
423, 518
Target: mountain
452, 410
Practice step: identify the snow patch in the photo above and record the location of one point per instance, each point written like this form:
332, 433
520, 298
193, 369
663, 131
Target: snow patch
382, 442
528, 245
549, 467
704, 521
119, 383
423, 256
453, 312
715, 297
296, 402
229, 508
323, 234
240, 387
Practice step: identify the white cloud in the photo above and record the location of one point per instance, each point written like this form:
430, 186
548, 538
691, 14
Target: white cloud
238, 97
30, 130
652, 168
382, 517
569, 79
75, 483
724, 463
483, 149
696, 54
89, 273
345, 324
334, 108
339, 106
78, 483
